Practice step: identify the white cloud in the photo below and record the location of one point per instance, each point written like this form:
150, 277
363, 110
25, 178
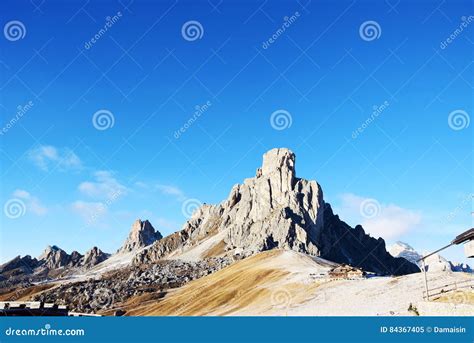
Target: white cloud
171, 190
47, 157
388, 221
32, 203
141, 184
105, 186
22, 194
89, 211
104, 190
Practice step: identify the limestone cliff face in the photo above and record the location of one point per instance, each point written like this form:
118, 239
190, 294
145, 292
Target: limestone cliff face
275, 209
24, 265
54, 257
341, 243
142, 233
93, 257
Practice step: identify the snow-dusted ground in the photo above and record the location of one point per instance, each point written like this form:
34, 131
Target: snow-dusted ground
116, 261
196, 253
374, 296
286, 283
379, 296
304, 287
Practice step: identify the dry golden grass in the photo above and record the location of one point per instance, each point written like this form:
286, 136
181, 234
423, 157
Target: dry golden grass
140, 300
216, 250
24, 294
247, 286
394, 281
458, 297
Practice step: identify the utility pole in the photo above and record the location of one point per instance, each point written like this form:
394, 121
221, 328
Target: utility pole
426, 279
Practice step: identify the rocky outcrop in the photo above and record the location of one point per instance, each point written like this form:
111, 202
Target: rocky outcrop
19, 264
93, 257
437, 263
401, 249
462, 267
75, 259
53, 262
54, 257
276, 209
162, 248
108, 292
142, 233
434, 263
340, 243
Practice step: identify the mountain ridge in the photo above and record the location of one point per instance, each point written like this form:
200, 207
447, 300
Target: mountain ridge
276, 209
433, 263
141, 234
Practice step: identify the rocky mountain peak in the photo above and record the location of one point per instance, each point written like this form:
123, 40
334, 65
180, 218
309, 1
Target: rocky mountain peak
54, 257
94, 256
48, 250
142, 233
24, 264
52, 260
276, 209
402, 245
75, 259
401, 249
279, 160
434, 263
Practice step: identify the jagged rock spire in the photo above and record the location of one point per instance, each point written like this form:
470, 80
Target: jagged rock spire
93, 257
54, 257
276, 209
142, 233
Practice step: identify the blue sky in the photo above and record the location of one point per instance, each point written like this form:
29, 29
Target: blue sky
376, 119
